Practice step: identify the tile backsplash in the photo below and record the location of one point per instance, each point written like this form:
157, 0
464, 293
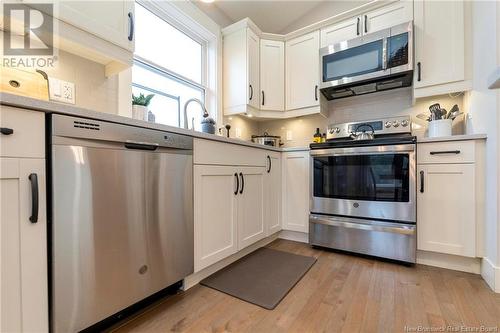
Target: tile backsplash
374, 106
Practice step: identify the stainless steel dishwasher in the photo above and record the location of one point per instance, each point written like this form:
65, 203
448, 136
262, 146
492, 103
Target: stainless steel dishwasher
122, 217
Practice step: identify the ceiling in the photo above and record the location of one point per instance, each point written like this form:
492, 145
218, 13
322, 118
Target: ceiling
270, 16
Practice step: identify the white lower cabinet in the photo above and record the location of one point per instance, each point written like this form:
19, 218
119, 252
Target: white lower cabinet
450, 197
250, 199
296, 176
215, 214
272, 193
24, 295
445, 211
229, 211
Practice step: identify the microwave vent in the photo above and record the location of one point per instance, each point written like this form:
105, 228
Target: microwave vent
389, 85
365, 89
86, 125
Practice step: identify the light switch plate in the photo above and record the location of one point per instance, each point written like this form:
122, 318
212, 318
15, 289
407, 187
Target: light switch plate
238, 132
289, 136
61, 91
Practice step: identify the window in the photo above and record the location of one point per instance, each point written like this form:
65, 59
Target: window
170, 64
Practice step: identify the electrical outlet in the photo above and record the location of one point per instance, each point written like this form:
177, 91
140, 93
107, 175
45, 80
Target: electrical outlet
289, 136
238, 132
61, 91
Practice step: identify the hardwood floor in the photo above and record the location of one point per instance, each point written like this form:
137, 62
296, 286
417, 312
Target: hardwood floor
340, 293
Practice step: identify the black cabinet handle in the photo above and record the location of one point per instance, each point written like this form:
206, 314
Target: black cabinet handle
34, 197
421, 182
251, 93
237, 183
131, 29
263, 97
316, 92
419, 71
6, 130
270, 163
242, 183
366, 23
357, 28
445, 152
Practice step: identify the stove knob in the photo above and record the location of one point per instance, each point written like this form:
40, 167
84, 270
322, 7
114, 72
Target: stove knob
404, 123
331, 131
395, 123
388, 124
337, 130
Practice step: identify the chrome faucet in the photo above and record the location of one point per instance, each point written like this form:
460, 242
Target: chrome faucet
205, 112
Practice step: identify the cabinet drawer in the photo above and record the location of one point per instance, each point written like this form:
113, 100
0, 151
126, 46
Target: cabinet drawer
28, 136
446, 152
219, 153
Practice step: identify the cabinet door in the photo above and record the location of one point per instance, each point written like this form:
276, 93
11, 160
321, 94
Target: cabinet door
272, 75
296, 191
215, 229
253, 68
345, 30
24, 294
439, 34
445, 215
250, 206
302, 71
388, 16
272, 194
110, 20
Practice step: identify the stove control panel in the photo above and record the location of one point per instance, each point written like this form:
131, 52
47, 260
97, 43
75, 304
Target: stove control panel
393, 125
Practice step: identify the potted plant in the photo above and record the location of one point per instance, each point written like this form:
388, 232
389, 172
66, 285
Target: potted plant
140, 106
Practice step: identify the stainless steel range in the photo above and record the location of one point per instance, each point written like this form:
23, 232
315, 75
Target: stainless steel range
363, 189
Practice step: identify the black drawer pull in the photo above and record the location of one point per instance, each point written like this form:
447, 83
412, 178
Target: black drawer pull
6, 130
419, 71
237, 183
242, 183
34, 197
445, 152
421, 182
270, 164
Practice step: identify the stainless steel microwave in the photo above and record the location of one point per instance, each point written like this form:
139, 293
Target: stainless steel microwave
378, 61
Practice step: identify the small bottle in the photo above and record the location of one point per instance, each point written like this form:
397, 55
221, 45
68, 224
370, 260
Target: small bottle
317, 136
323, 138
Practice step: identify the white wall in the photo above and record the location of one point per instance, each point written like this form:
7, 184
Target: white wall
484, 110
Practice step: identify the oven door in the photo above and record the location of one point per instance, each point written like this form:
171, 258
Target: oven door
376, 182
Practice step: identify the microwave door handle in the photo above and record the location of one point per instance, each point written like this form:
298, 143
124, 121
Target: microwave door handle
384, 54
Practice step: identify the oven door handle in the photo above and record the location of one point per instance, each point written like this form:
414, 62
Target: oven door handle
406, 148
404, 229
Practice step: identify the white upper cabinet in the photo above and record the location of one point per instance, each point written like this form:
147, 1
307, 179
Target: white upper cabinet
302, 71
253, 68
341, 31
387, 16
110, 20
272, 75
378, 19
240, 71
440, 46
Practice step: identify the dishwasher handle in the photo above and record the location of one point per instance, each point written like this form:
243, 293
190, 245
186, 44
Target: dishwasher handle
141, 145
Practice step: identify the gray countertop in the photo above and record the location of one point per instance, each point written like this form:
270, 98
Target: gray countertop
453, 138
53, 107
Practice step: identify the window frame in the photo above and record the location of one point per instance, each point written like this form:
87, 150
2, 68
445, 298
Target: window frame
183, 18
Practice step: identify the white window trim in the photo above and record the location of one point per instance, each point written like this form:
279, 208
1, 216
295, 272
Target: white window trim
186, 17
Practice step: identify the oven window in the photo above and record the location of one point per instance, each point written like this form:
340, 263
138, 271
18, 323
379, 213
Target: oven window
363, 59
377, 177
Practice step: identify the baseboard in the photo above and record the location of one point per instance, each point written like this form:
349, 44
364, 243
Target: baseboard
193, 279
448, 261
296, 236
491, 274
